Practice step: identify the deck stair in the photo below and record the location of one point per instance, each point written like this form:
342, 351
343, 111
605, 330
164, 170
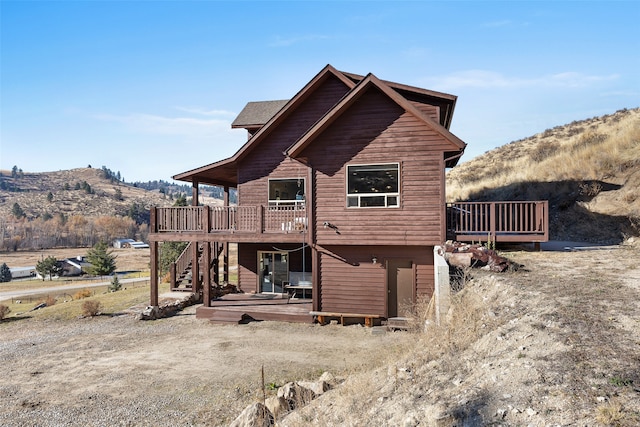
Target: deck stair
181, 269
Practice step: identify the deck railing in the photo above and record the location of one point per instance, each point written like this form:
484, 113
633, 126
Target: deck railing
212, 219
499, 221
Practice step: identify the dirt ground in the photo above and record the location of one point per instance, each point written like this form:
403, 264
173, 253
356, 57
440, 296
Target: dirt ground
179, 371
555, 343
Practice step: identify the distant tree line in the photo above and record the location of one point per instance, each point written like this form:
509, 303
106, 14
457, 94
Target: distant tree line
172, 189
111, 176
63, 231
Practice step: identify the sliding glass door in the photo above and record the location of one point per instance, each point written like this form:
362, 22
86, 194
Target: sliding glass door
274, 271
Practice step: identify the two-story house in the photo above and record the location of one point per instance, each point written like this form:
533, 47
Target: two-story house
341, 190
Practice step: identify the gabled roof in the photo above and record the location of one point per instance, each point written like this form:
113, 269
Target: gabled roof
255, 114
445, 101
371, 81
224, 171
273, 113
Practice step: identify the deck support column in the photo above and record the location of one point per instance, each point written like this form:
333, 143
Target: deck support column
154, 263
195, 269
225, 250
153, 276
206, 281
194, 193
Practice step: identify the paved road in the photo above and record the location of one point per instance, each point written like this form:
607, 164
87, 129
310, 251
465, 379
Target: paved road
6, 295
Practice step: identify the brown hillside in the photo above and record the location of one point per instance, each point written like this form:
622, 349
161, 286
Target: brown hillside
589, 171
30, 191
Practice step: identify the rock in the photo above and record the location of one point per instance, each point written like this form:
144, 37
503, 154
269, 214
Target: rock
255, 415
463, 255
328, 378
318, 387
410, 421
150, 313
531, 412
277, 405
296, 395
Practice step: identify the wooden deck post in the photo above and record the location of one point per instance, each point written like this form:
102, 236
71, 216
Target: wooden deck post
492, 223
195, 269
225, 263
153, 277
173, 275
154, 263
194, 193
206, 281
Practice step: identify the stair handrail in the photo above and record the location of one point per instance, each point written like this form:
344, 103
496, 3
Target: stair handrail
184, 260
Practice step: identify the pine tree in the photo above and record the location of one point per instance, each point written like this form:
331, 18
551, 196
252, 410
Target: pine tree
102, 260
48, 266
115, 284
5, 273
17, 211
181, 200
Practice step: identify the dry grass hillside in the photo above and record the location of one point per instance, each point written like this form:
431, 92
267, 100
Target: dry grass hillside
107, 198
589, 171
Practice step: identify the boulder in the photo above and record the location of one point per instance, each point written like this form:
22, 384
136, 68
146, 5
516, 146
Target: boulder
318, 387
296, 395
277, 405
254, 415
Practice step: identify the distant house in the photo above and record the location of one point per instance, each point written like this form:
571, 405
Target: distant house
120, 243
129, 244
23, 272
71, 267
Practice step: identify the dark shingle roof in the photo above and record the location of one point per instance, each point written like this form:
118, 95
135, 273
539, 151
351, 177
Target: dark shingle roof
256, 114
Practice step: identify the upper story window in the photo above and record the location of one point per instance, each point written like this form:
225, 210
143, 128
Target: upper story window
373, 186
286, 192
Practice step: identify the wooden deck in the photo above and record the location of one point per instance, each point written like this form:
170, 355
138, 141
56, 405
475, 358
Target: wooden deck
514, 221
243, 308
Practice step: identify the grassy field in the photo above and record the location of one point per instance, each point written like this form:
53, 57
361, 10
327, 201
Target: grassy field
68, 305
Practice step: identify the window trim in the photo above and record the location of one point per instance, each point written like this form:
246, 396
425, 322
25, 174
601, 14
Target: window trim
385, 195
287, 202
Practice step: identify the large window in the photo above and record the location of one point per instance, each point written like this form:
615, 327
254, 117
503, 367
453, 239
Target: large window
371, 186
286, 192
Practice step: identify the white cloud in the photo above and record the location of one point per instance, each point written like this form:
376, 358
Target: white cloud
503, 23
203, 112
490, 79
155, 124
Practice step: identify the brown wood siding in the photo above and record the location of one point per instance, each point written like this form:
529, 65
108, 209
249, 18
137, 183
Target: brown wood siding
376, 130
268, 160
431, 111
351, 283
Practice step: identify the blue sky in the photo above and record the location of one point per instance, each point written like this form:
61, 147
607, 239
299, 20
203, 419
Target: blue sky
150, 88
